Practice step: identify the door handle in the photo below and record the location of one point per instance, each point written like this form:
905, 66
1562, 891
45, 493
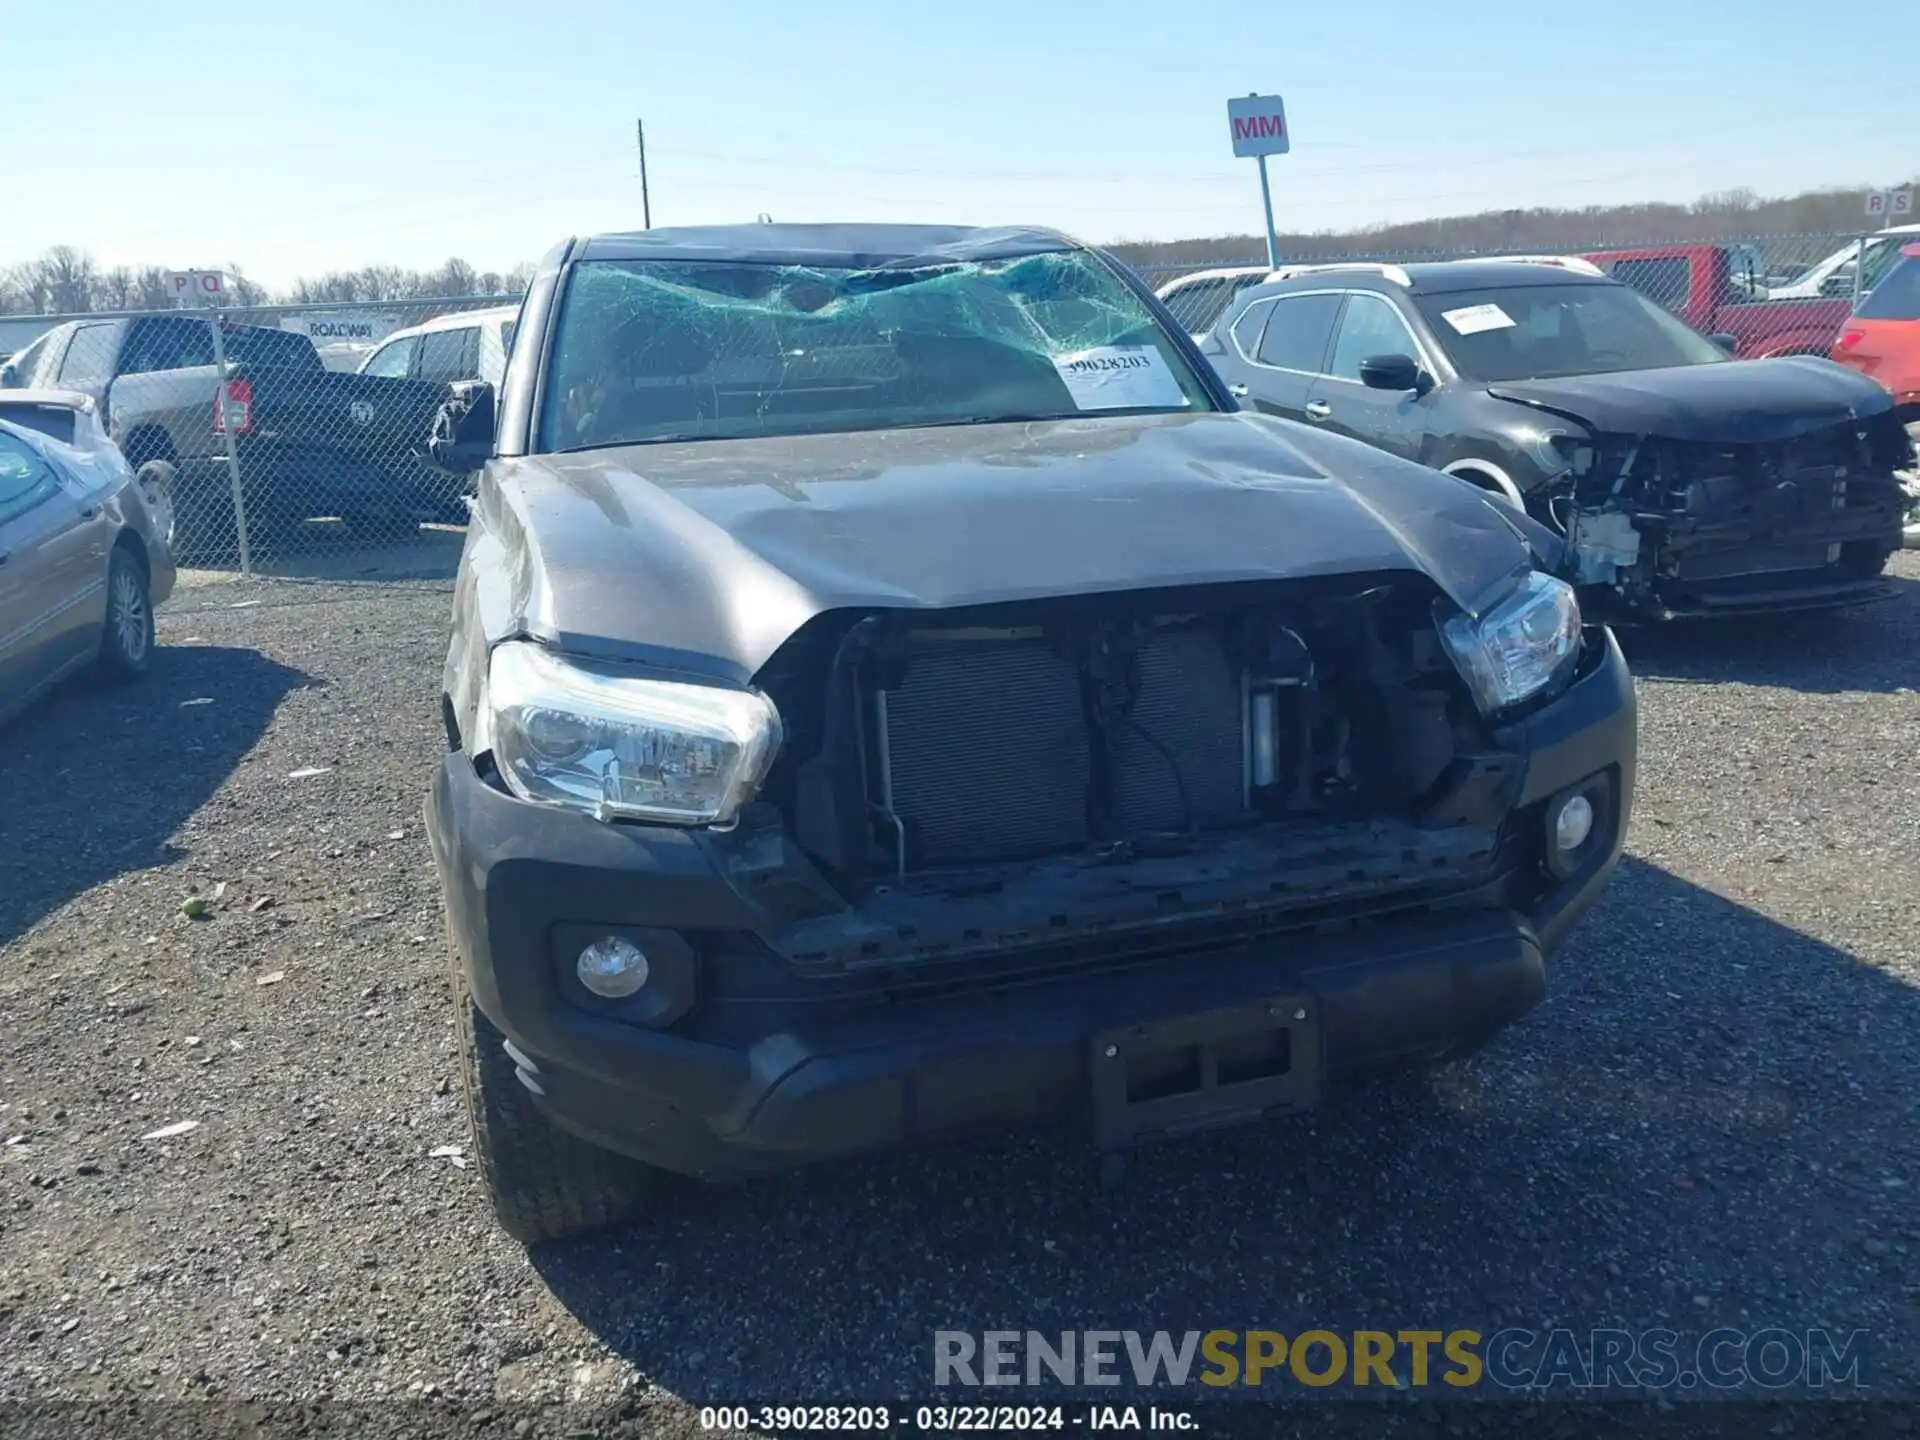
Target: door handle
92, 512
1318, 410
1239, 392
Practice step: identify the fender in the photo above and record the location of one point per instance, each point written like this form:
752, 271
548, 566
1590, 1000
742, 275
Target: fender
1503, 482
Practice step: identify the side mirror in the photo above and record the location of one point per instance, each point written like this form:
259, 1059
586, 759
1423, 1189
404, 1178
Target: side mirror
1210, 344
1390, 372
10, 377
1728, 343
462, 439
1839, 285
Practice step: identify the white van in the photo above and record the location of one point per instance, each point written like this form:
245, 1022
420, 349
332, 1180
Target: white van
466, 345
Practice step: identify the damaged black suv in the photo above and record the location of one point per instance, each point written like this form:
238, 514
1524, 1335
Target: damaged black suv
1685, 482
893, 692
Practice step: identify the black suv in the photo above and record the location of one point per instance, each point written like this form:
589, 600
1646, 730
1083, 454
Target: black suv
1682, 480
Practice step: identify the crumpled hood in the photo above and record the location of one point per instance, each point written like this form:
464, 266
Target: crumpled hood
1733, 403
706, 557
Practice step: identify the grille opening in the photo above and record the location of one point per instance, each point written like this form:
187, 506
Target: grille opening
1119, 726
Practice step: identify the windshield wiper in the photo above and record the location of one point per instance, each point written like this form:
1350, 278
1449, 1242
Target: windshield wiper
677, 438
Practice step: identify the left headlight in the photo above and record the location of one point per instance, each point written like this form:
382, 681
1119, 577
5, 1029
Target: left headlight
1520, 646
619, 746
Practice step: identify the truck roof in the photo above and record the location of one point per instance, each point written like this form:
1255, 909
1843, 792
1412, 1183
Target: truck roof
852, 247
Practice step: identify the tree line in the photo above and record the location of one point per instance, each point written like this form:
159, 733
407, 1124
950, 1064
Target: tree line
1725, 215
66, 280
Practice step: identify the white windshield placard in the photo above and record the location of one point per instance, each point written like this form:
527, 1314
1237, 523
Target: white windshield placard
1120, 377
1472, 319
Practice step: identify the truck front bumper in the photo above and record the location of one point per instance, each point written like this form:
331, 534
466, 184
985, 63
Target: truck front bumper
791, 1071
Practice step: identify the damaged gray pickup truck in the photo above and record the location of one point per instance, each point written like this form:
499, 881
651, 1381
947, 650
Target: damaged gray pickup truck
894, 692
1685, 482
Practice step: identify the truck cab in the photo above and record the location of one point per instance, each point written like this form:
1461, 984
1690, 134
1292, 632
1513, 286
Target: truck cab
1721, 290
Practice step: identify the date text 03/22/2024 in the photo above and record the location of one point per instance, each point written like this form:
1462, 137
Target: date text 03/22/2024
944, 1419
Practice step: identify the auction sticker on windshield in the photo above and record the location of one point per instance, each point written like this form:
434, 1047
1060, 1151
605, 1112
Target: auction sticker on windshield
1472, 319
1120, 377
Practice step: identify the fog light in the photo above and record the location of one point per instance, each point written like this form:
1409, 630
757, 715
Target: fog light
612, 968
1573, 824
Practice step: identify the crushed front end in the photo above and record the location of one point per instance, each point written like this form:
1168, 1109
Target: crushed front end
1171, 859
1671, 528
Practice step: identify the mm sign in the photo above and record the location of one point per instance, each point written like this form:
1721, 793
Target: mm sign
1888, 204
196, 285
1259, 124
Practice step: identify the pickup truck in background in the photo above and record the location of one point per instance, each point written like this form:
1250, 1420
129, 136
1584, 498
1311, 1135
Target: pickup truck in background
310, 442
1717, 289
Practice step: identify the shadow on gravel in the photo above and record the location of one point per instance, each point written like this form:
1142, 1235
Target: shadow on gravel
1709, 1123
98, 777
1868, 648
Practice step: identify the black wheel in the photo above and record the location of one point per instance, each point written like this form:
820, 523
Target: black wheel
126, 640
545, 1184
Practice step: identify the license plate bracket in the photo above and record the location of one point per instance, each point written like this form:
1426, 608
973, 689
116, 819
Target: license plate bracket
1199, 1072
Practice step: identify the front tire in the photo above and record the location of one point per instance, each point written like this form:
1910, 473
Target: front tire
126, 640
545, 1184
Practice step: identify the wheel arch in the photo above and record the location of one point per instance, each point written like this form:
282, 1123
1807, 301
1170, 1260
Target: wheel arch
1488, 476
129, 540
146, 442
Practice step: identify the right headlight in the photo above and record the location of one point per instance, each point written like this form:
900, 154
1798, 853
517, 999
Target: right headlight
1518, 648
1557, 451
624, 746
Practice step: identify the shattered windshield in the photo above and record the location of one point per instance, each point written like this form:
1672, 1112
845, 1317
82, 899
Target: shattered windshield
1540, 332
651, 350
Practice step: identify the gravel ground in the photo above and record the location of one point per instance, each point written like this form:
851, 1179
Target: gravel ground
1711, 1122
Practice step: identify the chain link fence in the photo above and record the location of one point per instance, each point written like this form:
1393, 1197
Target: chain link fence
284, 431
1774, 295
301, 430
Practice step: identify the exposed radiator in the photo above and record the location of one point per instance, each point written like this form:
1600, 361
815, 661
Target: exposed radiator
1190, 702
989, 756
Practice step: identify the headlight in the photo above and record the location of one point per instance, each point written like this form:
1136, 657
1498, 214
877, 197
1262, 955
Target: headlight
1556, 451
619, 746
1520, 646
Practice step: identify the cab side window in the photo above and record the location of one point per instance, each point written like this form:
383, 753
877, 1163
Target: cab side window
167, 345
1666, 280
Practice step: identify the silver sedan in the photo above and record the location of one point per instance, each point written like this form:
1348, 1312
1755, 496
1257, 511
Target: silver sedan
84, 552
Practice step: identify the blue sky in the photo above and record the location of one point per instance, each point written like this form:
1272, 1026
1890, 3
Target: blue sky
406, 131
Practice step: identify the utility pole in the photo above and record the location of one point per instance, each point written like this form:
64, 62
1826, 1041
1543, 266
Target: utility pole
646, 205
